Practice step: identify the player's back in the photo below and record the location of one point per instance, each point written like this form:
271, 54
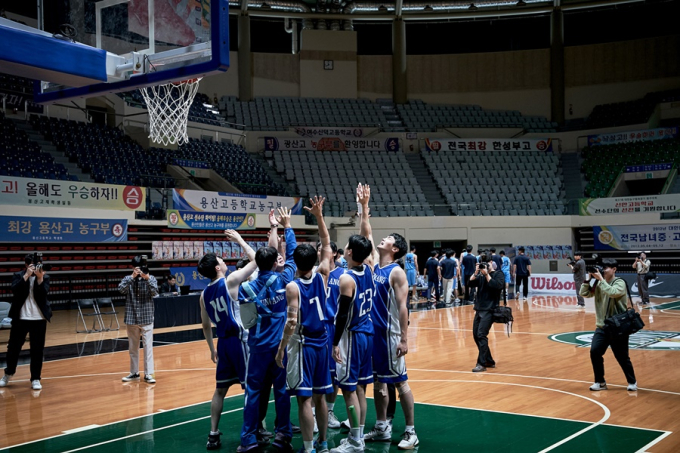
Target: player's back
410, 262
385, 313
223, 311
362, 302
505, 267
333, 294
312, 326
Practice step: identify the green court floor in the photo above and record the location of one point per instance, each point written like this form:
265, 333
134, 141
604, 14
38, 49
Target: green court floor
665, 306
440, 429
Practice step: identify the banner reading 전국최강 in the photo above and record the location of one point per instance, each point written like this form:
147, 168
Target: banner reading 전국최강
71, 194
488, 144
198, 200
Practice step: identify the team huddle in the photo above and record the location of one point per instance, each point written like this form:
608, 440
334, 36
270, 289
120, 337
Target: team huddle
309, 330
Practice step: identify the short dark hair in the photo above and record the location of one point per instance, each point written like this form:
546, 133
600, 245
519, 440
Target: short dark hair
449, 253
304, 257
433, 253
502, 252
399, 243
360, 246
136, 261
265, 258
413, 248
243, 262
609, 262
493, 249
28, 259
341, 252
171, 277
521, 249
468, 248
578, 253
207, 264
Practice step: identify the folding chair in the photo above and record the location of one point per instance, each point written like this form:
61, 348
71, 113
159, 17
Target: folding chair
107, 300
89, 303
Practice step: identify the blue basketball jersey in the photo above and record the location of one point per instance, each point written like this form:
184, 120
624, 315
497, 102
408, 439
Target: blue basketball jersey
333, 294
362, 303
311, 324
506, 265
385, 313
223, 311
410, 262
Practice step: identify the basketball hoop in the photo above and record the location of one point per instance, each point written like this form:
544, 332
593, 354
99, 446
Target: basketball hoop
168, 106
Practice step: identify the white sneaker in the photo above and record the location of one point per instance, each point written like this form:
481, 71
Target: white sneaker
596, 387
35, 384
149, 379
333, 421
379, 435
409, 441
5, 380
632, 387
345, 424
316, 426
131, 377
349, 445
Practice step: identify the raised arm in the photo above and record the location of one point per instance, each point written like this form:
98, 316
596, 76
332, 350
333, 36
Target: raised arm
363, 197
284, 219
206, 324
324, 237
273, 230
292, 297
239, 276
234, 236
400, 286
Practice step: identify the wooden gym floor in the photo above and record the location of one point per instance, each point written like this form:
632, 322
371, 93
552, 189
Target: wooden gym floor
536, 400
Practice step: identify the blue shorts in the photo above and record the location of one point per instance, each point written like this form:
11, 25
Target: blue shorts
232, 356
330, 328
387, 367
355, 347
507, 277
306, 371
411, 277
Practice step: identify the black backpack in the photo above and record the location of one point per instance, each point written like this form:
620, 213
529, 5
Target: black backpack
623, 324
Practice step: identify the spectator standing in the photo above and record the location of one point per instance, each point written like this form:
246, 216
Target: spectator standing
449, 268
579, 270
470, 266
433, 276
641, 266
521, 270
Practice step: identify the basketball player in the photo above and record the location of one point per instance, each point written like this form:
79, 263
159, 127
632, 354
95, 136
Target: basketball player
267, 292
353, 340
219, 306
390, 323
305, 337
411, 272
505, 267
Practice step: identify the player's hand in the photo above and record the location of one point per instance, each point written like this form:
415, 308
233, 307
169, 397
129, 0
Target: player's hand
273, 221
317, 206
363, 194
284, 216
232, 235
279, 357
402, 347
213, 356
336, 354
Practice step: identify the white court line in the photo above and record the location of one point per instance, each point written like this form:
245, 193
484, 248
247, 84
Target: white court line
655, 441
116, 373
470, 330
606, 416
540, 377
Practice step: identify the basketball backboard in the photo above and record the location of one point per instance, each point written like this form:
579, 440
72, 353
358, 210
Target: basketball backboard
121, 45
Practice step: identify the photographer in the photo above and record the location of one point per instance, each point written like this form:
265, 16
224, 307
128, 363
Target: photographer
578, 267
489, 283
611, 297
30, 312
641, 266
139, 288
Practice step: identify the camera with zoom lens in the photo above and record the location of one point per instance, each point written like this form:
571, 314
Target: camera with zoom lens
597, 267
37, 261
483, 261
143, 266
572, 261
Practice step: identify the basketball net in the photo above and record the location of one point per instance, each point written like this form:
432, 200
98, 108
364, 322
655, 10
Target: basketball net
168, 106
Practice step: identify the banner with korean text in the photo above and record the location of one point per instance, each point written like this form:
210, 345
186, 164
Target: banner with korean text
210, 220
637, 237
488, 144
629, 205
331, 144
59, 229
198, 200
633, 136
71, 194
319, 132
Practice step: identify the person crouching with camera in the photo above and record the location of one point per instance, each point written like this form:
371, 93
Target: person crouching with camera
139, 288
30, 312
611, 297
489, 283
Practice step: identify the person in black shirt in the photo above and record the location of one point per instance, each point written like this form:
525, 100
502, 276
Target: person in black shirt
470, 265
170, 285
496, 258
521, 270
434, 273
490, 283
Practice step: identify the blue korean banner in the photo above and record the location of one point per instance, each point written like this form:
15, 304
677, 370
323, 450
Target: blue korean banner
647, 168
210, 220
190, 276
28, 229
200, 200
637, 237
331, 144
633, 136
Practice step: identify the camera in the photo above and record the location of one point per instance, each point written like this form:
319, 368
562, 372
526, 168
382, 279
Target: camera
483, 260
37, 261
143, 266
597, 267
572, 261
